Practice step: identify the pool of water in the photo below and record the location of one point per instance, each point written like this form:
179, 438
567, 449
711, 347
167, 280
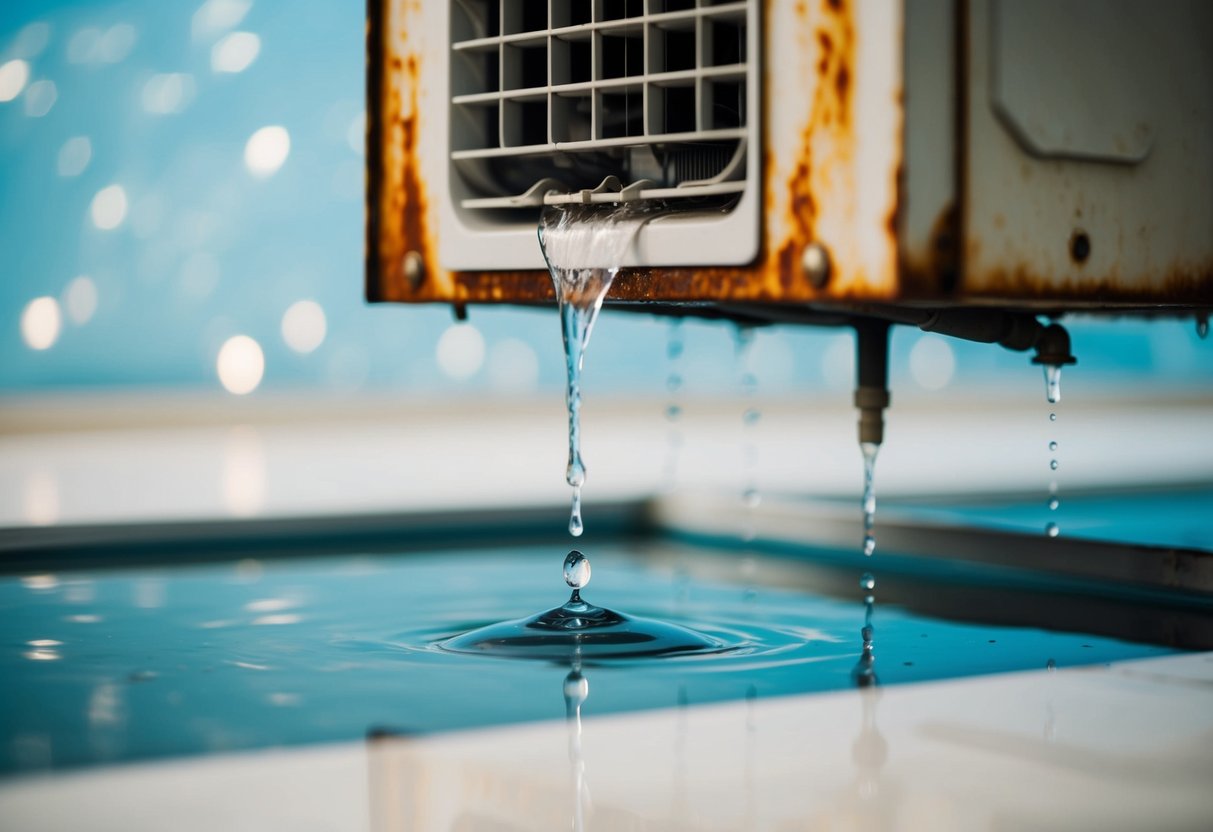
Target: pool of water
117, 665
1162, 518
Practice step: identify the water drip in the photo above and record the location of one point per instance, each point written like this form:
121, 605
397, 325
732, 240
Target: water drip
870, 449
864, 672
1053, 383
584, 247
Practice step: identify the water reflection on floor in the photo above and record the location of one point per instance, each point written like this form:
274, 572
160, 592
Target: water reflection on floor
132, 664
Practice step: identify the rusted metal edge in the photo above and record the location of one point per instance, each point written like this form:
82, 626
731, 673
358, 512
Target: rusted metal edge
776, 276
374, 148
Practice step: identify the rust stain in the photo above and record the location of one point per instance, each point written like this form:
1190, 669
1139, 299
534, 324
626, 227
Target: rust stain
1182, 285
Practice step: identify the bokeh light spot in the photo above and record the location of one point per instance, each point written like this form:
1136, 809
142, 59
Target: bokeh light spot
513, 366
40, 97
932, 362
74, 156
108, 208
32, 40
304, 326
13, 77
235, 52
266, 150
215, 16
41, 322
355, 136
460, 351
117, 42
240, 364
80, 299
167, 93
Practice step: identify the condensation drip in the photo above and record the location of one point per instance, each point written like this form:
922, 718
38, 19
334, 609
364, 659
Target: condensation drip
870, 449
584, 246
1053, 383
673, 409
750, 417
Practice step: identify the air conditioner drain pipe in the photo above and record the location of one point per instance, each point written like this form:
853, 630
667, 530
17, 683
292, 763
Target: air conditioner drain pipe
1019, 331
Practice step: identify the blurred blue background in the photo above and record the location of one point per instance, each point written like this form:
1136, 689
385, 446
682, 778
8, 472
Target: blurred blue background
148, 217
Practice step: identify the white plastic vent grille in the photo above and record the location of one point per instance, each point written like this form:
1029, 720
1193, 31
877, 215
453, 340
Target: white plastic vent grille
549, 98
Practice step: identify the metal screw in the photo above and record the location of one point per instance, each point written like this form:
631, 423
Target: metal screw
816, 263
414, 269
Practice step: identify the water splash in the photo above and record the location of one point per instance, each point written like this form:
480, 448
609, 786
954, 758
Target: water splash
580, 629
870, 449
584, 246
1053, 383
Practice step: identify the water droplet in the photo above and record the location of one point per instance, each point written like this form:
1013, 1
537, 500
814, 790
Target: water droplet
673, 382
576, 570
1053, 383
869, 449
751, 416
1052, 446
576, 527
749, 382
1202, 327
672, 412
1053, 464
751, 497
1052, 417
867, 581
1050, 665
1052, 530
1054, 503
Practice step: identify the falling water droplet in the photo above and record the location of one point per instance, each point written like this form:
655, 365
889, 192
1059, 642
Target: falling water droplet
1053, 464
1052, 530
1052, 446
870, 450
867, 581
751, 498
673, 383
1050, 665
576, 570
1052, 417
751, 416
1054, 503
1053, 383
1202, 327
576, 527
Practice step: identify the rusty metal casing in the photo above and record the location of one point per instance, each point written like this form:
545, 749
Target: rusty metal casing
1035, 155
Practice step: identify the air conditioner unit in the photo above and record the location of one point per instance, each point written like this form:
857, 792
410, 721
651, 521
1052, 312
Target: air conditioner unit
1026, 154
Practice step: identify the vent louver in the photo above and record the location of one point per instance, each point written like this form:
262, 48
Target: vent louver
551, 98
